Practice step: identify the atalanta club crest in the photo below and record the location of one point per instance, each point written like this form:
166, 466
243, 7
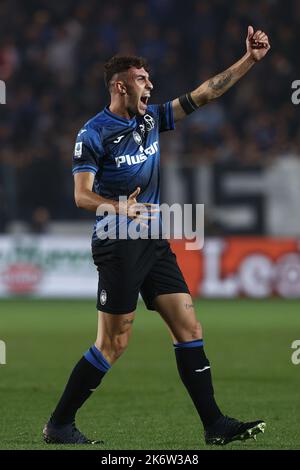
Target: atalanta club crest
136, 137
103, 297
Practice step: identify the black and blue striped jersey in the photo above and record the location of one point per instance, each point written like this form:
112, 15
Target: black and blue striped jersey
123, 154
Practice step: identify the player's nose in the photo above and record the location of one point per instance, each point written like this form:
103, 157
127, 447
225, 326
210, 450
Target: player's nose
149, 85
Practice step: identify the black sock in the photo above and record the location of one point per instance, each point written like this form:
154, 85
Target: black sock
85, 377
194, 370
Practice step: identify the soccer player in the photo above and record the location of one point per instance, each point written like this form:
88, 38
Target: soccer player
117, 154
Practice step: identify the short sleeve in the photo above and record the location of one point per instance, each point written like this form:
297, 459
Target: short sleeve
88, 152
166, 118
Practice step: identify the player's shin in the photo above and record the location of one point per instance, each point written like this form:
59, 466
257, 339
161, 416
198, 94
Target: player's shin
194, 370
84, 379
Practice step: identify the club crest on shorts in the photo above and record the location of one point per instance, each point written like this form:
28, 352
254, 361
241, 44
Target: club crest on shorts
136, 137
103, 297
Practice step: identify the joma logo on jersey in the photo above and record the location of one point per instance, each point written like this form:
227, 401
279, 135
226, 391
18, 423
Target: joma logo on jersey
139, 158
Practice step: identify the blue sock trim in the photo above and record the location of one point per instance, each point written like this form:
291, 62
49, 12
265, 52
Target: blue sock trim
189, 344
96, 358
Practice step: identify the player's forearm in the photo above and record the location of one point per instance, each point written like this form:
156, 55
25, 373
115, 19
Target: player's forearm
91, 201
219, 84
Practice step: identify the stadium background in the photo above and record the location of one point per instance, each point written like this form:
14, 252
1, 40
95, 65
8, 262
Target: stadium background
239, 156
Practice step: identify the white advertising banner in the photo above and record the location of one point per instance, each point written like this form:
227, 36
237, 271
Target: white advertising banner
47, 266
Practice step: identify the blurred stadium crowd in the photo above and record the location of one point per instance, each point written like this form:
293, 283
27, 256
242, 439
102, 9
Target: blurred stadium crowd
52, 56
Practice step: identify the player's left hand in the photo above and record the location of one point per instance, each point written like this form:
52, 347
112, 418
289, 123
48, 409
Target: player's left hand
257, 43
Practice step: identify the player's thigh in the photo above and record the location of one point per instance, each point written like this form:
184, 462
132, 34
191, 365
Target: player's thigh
177, 310
122, 266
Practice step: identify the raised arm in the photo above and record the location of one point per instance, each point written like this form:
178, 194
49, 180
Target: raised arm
257, 45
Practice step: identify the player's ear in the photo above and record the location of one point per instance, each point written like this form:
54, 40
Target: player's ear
121, 88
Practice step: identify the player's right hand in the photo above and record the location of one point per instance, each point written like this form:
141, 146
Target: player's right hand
139, 211
257, 43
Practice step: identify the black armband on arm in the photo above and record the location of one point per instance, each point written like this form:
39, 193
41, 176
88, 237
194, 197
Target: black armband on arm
187, 103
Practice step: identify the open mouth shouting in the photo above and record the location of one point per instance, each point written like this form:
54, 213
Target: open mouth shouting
144, 101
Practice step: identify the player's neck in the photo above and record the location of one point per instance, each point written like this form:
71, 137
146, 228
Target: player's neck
120, 110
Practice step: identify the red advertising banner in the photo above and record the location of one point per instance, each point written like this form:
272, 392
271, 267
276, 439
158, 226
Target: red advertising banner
242, 266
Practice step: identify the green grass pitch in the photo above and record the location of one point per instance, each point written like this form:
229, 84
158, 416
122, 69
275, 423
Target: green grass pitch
142, 403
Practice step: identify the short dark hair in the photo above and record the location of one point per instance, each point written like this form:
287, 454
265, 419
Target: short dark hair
119, 64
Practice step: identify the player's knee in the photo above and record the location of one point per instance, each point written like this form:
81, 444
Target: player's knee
119, 345
115, 346
196, 330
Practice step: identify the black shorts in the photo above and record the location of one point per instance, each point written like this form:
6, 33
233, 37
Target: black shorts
129, 267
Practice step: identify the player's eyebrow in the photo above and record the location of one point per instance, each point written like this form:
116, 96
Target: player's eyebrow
142, 75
